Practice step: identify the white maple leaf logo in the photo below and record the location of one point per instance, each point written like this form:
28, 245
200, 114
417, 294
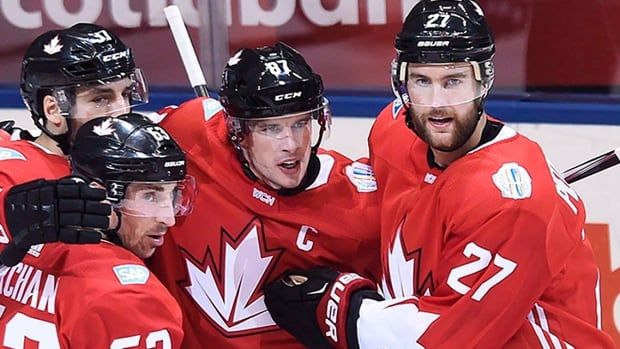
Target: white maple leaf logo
399, 279
104, 129
401, 273
53, 47
231, 298
235, 59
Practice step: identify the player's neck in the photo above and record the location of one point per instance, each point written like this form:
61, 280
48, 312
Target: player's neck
49, 144
445, 158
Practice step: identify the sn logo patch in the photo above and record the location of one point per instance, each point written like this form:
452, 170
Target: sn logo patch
131, 274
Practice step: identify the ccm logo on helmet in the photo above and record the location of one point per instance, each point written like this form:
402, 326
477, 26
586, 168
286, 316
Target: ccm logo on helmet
115, 56
433, 43
286, 96
331, 314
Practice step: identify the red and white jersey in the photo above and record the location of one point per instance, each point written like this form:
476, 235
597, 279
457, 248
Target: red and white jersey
86, 296
242, 234
488, 253
23, 161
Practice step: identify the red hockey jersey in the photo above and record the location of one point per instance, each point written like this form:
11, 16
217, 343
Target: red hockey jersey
242, 234
487, 253
86, 296
22, 161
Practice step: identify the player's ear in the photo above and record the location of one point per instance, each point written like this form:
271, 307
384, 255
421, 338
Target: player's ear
52, 111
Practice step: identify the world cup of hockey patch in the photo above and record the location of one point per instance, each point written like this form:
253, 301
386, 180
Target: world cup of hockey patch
131, 274
362, 176
513, 181
211, 107
11, 154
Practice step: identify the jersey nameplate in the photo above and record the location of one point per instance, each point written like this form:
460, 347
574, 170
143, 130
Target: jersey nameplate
131, 274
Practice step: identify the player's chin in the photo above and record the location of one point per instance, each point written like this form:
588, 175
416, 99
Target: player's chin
145, 251
289, 182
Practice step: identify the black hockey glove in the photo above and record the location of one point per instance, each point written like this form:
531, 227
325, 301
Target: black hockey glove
65, 210
319, 306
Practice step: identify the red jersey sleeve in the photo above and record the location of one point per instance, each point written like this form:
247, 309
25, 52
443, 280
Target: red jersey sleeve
127, 318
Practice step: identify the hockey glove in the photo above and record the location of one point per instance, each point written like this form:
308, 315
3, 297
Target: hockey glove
319, 306
66, 210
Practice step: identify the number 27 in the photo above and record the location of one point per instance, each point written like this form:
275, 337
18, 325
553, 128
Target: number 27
484, 259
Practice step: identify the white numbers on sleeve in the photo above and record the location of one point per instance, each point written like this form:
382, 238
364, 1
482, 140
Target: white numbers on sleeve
483, 260
161, 336
22, 326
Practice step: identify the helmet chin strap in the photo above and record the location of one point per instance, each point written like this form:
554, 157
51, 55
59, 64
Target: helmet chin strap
112, 234
62, 140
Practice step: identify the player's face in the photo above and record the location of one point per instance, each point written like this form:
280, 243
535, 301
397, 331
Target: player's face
278, 150
444, 104
109, 99
147, 214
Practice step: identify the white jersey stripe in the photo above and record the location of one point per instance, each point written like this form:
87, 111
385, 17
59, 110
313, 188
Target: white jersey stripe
538, 331
597, 294
545, 326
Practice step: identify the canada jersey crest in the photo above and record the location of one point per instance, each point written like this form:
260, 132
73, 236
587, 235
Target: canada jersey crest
402, 270
228, 291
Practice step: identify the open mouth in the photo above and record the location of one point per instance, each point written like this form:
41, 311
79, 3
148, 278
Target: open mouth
158, 239
289, 165
440, 122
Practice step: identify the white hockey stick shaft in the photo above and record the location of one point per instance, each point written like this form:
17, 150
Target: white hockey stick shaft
592, 166
186, 50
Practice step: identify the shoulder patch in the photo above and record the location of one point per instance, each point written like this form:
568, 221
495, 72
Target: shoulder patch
10, 154
211, 107
397, 105
131, 274
362, 176
513, 181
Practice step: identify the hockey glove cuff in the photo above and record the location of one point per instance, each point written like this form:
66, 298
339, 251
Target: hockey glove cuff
319, 306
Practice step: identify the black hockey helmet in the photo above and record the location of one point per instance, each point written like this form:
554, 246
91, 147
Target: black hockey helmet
444, 31
117, 151
270, 81
58, 61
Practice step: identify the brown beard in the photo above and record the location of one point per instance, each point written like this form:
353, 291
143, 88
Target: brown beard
462, 132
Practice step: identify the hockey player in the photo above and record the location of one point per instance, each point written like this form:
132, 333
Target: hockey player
68, 77
482, 240
102, 295
270, 200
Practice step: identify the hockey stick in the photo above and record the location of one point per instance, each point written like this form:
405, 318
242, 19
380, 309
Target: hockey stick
186, 50
592, 166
